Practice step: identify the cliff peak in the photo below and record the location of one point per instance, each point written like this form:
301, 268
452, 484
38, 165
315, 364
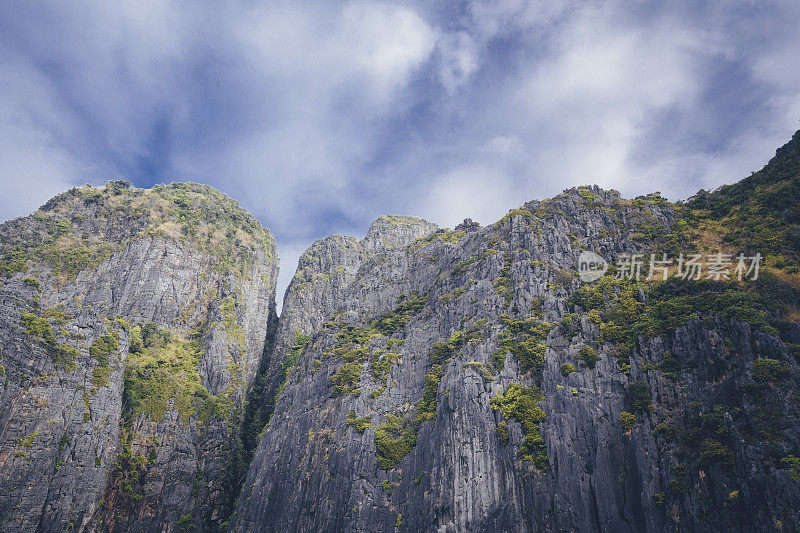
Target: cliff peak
395, 231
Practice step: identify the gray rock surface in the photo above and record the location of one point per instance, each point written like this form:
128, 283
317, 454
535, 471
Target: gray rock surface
418, 379
314, 471
62, 427
325, 271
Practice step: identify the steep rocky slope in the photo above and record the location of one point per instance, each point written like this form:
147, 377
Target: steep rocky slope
468, 380
324, 273
132, 323
418, 379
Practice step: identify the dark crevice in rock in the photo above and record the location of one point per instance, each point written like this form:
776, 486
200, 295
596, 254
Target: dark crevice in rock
256, 416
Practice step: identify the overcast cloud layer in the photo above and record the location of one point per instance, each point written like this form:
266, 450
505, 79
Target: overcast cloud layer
318, 117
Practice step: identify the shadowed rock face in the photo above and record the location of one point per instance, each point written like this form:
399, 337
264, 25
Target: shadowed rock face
75, 451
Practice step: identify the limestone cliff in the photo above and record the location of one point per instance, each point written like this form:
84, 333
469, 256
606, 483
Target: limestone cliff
467, 380
418, 379
133, 322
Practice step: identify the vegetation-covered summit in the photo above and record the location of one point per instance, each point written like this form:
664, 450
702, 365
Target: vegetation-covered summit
760, 213
81, 227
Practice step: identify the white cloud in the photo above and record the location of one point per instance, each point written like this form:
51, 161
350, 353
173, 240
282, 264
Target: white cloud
289, 253
318, 116
33, 169
370, 49
459, 59
600, 84
34, 162
385, 42
490, 18
505, 146
598, 91
479, 193
336, 74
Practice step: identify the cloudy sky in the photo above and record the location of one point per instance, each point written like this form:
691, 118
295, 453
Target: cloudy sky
320, 116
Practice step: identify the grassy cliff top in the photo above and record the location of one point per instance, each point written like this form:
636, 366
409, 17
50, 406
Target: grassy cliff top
760, 213
82, 226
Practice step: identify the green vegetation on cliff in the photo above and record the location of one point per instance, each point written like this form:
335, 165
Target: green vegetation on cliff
101, 350
397, 436
78, 229
396, 319
526, 340
394, 439
352, 344
519, 403
38, 328
359, 423
624, 317
504, 285
162, 372
759, 213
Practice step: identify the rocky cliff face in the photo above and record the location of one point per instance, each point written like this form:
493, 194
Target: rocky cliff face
467, 380
324, 273
133, 322
418, 379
